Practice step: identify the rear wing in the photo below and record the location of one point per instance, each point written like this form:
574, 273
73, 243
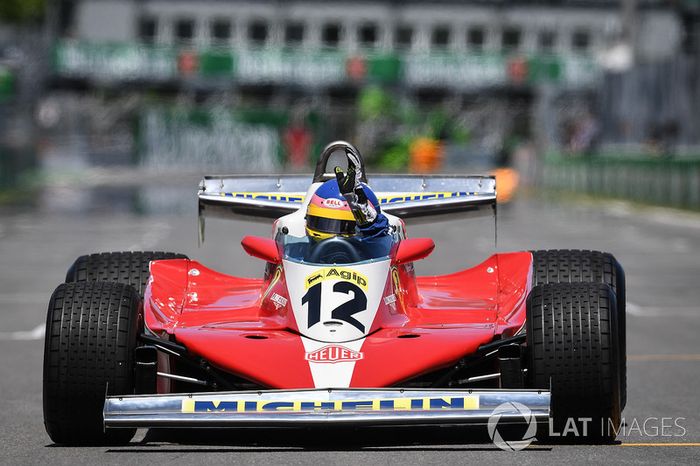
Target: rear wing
266, 197
406, 196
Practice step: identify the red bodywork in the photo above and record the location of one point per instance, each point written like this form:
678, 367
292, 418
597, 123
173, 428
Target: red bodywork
235, 324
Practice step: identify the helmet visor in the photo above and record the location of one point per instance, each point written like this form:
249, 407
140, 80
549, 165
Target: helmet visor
330, 225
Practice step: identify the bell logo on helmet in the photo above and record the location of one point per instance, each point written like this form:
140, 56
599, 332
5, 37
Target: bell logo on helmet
333, 203
332, 354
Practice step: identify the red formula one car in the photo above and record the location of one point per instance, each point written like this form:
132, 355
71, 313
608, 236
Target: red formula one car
333, 334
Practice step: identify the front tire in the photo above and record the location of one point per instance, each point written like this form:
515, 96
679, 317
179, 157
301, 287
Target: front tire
91, 331
573, 345
577, 265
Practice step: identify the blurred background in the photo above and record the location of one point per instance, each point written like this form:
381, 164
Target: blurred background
596, 96
588, 113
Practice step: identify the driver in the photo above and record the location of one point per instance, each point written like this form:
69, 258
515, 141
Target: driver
346, 207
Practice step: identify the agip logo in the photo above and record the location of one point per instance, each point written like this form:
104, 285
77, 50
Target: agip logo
332, 354
335, 273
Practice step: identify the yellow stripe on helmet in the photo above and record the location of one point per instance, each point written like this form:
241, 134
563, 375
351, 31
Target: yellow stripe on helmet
335, 214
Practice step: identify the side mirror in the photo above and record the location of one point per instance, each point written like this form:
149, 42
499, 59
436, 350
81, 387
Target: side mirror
413, 249
262, 248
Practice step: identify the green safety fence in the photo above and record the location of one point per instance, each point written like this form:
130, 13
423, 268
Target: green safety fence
133, 61
123, 61
7, 171
7, 84
669, 182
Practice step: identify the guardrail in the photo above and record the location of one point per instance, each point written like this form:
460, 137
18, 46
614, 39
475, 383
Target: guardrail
670, 182
7, 83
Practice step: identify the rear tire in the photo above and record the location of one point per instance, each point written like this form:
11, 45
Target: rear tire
91, 331
573, 344
575, 266
130, 268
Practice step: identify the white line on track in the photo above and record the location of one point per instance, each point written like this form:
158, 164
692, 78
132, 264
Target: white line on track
636, 310
24, 297
37, 333
662, 215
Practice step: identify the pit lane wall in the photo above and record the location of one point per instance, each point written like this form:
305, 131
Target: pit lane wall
658, 181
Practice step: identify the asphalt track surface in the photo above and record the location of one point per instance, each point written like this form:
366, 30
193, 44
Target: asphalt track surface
659, 250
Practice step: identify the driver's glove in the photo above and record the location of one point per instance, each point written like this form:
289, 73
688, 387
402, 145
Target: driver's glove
351, 188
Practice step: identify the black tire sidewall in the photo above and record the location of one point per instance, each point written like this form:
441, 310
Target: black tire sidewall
82, 366
604, 411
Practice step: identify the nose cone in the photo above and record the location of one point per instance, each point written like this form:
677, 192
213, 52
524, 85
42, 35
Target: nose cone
335, 304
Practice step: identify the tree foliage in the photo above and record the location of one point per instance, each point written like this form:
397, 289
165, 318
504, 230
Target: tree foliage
21, 11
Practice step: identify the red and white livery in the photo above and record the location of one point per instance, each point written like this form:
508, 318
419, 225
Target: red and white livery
360, 339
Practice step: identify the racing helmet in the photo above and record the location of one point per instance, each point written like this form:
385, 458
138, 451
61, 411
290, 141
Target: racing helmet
329, 214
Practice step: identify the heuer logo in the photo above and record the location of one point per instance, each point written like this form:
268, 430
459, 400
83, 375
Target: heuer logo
332, 354
333, 203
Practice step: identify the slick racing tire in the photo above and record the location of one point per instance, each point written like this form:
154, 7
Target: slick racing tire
573, 266
573, 345
91, 331
130, 268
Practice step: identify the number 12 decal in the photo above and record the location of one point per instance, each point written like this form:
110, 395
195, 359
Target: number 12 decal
343, 312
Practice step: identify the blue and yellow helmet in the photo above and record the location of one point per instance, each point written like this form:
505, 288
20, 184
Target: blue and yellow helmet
329, 214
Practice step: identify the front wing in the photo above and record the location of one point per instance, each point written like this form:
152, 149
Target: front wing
327, 406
